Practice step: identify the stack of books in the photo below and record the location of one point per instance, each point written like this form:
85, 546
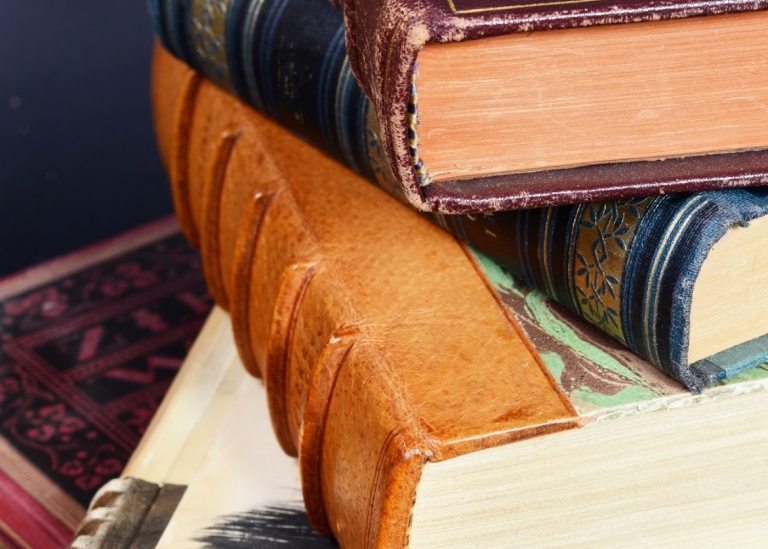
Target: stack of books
590, 247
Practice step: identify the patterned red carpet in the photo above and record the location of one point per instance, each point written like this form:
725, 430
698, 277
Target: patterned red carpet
88, 347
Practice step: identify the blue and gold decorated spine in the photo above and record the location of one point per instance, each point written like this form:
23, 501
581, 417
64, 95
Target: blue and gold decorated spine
287, 59
627, 267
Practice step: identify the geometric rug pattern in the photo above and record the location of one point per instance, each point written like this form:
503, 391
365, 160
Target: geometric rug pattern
88, 348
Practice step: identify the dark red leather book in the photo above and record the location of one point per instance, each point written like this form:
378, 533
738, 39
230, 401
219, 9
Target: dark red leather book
503, 104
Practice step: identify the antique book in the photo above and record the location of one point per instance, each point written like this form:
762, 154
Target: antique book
654, 107
501, 90
387, 349
213, 477
663, 275
343, 334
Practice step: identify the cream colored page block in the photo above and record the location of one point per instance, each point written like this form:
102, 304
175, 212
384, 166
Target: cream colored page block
244, 469
688, 477
730, 295
194, 451
595, 94
186, 403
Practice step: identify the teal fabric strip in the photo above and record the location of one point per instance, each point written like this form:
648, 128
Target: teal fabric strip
732, 362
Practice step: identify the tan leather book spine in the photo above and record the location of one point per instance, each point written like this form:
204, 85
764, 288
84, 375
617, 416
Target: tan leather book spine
380, 345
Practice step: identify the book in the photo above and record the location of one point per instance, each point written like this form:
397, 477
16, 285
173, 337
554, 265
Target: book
649, 271
386, 354
621, 92
331, 325
211, 442
287, 59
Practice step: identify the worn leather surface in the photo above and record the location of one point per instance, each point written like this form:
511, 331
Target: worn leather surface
384, 38
172, 116
380, 345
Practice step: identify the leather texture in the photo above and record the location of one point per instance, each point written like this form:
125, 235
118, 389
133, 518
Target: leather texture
380, 345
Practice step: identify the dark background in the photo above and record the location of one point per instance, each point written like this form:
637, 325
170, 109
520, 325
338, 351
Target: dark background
78, 161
